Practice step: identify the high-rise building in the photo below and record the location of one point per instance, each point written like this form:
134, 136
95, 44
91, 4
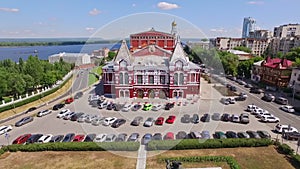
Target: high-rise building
248, 27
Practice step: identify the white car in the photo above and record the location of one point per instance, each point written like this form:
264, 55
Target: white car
258, 111
63, 113
43, 113
82, 118
5, 129
251, 107
270, 119
264, 113
109, 120
45, 138
93, 97
156, 107
127, 107
287, 128
231, 100
103, 105
100, 138
90, 118
97, 121
289, 109
235, 118
68, 115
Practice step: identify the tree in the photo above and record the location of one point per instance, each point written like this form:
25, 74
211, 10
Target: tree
293, 54
244, 68
230, 62
49, 78
16, 84
33, 67
111, 55
243, 48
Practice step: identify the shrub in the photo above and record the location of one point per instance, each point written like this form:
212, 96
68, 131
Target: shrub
285, 149
210, 143
296, 159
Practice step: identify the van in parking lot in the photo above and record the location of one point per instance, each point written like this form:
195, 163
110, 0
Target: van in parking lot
281, 100
287, 128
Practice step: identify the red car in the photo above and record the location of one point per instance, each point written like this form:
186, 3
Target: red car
69, 100
159, 121
171, 119
169, 136
21, 139
78, 138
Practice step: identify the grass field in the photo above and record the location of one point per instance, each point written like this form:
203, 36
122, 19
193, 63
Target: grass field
70, 159
248, 158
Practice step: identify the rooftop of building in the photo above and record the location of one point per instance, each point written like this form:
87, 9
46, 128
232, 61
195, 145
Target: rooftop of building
64, 54
279, 63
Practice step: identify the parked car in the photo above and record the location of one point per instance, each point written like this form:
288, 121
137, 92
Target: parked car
181, 135
146, 138
121, 137
253, 134
235, 118
82, 118
195, 119
159, 121
205, 118
21, 139
263, 113
117, 123
69, 100
110, 106
243, 135
256, 90
118, 107
103, 105
171, 119
263, 134
147, 107
30, 109
110, 138
136, 121
225, 101
156, 107
169, 106
241, 82
100, 138
195, 135
76, 116
205, 134
225, 117
289, 109
97, 121
45, 138
62, 113
43, 113
231, 100
258, 111
268, 97
251, 107
69, 137
134, 137
58, 106
287, 128
90, 118
233, 88
270, 119
78, 95
109, 120
89, 138
248, 85
231, 134
169, 136
281, 100
68, 115
220, 135
5, 129
136, 107
157, 136
127, 107
244, 118
186, 118
149, 122
216, 117
33, 138
78, 138
291, 135
23, 121
57, 138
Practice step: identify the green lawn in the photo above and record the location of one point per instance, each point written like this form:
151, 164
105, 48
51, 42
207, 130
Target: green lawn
92, 79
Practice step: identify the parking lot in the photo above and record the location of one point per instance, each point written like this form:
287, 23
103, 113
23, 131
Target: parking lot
209, 103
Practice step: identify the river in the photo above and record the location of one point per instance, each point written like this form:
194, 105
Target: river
43, 52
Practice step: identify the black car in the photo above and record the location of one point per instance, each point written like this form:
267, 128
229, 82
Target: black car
134, 137
268, 97
205, 118
186, 118
195, 119
78, 95
169, 106
263, 134
34, 138
157, 136
137, 120
233, 88
136, 107
256, 90
58, 106
24, 121
118, 107
181, 135
89, 138
69, 137
225, 117
30, 109
118, 123
228, 85
248, 85
56, 138
121, 137
110, 106
231, 134
75, 116
253, 134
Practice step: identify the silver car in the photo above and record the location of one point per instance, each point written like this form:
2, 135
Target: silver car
97, 121
149, 122
82, 118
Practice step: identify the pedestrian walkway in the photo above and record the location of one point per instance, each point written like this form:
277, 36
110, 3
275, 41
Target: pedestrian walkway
142, 158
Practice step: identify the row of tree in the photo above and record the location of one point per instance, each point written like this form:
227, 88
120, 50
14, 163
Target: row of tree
18, 78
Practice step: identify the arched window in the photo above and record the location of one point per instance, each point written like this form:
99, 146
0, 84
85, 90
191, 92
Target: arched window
126, 78
121, 78
181, 78
176, 79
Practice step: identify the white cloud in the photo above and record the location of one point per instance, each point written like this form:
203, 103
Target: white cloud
255, 2
167, 6
9, 9
94, 12
89, 29
219, 30
133, 5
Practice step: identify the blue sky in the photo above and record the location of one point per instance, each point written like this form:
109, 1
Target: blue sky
86, 18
